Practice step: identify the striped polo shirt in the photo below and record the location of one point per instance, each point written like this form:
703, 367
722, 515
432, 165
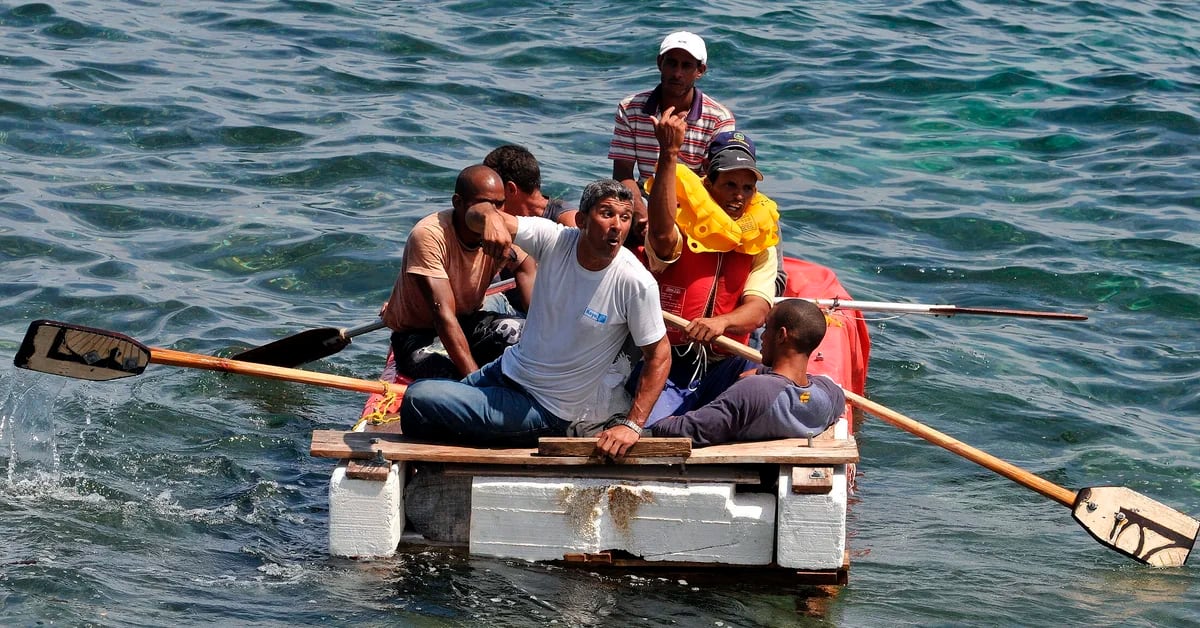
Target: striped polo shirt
633, 134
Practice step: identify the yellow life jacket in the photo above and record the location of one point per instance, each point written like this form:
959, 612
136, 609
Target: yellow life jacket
710, 230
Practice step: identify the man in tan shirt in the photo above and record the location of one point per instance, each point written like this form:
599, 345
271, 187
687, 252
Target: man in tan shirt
434, 310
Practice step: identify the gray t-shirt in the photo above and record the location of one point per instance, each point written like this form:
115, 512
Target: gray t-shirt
578, 319
763, 406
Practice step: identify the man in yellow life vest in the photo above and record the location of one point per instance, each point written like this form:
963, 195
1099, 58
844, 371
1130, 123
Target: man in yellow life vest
711, 244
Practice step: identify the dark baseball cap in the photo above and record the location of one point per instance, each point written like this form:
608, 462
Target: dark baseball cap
730, 139
733, 159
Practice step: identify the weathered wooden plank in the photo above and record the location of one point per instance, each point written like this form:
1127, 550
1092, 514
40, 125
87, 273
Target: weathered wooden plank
648, 447
368, 470
812, 480
672, 473
358, 445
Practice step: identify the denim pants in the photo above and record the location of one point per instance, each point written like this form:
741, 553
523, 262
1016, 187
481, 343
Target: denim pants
485, 408
682, 393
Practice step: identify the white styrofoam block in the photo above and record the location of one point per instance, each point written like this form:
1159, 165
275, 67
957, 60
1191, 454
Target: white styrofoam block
366, 517
811, 530
545, 518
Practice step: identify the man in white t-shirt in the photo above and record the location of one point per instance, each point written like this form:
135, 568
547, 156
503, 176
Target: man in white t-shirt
590, 293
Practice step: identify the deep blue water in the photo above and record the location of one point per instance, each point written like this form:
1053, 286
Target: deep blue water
214, 175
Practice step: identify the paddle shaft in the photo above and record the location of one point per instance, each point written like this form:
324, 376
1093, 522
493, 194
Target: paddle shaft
171, 357
1049, 489
496, 288
936, 310
362, 329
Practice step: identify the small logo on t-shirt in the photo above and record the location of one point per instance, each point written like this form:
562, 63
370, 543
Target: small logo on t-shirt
805, 396
599, 317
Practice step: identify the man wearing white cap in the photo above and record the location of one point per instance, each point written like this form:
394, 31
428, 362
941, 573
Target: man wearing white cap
682, 60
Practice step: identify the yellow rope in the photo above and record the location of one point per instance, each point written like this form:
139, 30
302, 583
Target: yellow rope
378, 415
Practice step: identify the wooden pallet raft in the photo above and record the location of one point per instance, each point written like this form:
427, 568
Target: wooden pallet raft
663, 504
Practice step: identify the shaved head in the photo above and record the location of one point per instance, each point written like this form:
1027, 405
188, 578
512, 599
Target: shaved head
476, 179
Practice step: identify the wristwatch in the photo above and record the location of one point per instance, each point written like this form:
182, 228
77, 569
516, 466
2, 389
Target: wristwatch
629, 424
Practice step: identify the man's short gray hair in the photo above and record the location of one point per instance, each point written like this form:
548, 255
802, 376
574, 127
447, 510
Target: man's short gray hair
601, 189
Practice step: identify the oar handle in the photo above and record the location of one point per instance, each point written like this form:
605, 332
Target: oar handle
171, 357
1059, 494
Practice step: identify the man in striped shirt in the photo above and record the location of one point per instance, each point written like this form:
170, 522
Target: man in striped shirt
682, 60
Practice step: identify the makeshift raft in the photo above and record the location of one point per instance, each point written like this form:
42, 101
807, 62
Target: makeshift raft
779, 504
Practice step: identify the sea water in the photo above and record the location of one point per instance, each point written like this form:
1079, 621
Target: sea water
210, 176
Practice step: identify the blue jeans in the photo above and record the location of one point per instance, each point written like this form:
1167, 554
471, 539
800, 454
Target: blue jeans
485, 408
682, 393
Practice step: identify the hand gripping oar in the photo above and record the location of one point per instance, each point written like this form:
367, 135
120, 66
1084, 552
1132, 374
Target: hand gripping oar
935, 310
314, 344
98, 354
1118, 517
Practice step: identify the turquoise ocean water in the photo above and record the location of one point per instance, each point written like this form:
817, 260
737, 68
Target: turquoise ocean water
213, 175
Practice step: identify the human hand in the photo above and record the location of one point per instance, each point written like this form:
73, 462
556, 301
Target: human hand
670, 129
617, 440
496, 238
705, 330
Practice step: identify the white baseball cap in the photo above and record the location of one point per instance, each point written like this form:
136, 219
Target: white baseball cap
688, 42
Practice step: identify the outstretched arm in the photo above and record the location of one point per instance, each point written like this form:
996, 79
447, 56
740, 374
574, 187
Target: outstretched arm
722, 420
496, 227
615, 441
749, 315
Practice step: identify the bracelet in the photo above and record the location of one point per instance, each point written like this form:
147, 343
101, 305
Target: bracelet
631, 425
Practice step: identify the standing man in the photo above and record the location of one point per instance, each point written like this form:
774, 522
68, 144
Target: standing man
591, 293
438, 329
682, 60
781, 400
711, 245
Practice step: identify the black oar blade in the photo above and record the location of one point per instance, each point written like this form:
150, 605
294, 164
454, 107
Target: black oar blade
80, 352
293, 351
1136, 525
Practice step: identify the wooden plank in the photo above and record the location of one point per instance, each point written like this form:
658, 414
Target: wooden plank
601, 558
359, 445
368, 470
648, 447
672, 473
716, 574
812, 480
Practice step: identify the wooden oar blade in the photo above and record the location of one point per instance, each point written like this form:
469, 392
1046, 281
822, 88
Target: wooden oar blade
1136, 525
307, 346
80, 352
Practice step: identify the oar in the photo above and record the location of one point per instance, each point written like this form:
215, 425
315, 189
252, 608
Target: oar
306, 346
1117, 517
314, 344
98, 354
935, 310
